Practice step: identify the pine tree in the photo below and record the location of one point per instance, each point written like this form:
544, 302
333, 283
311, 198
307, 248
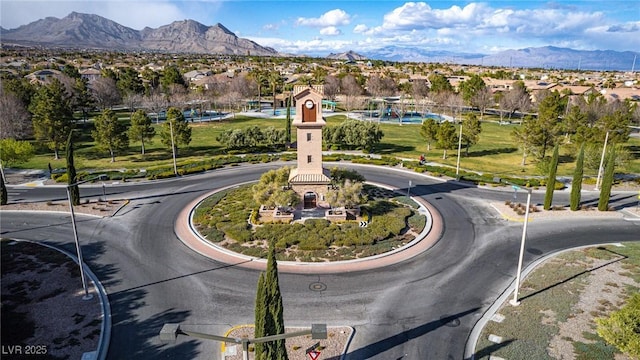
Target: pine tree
110, 134
74, 190
576, 183
607, 181
551, 180
141, 128
177, 125
429, 132
471, 129
447, 137
52, 115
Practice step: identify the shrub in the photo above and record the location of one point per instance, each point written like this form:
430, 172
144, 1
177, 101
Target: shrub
621, 328
254, 216
60, 177
417, 222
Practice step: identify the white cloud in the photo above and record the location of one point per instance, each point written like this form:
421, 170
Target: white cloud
330, 31
336, 17
271, 27
360, 29
420, 15
478, 26
314, 47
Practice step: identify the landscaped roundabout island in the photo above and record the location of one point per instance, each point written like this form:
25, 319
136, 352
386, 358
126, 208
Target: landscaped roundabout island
362, 220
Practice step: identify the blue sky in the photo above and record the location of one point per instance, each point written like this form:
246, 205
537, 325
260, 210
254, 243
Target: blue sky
322, 27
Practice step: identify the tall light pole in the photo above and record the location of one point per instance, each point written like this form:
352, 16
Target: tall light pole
459, 147
515, 301
86, 296
173, 149
604, 149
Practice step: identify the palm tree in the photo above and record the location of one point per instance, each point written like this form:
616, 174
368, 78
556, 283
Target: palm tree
274, 80
260, 77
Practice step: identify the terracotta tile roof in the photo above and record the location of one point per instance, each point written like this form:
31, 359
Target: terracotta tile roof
310, 179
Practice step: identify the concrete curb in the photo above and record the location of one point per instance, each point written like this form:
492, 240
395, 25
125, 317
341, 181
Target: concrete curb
346, 346
105, 332
472, 340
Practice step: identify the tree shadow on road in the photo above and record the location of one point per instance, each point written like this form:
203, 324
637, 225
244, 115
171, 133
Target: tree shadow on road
620, 258
405, 336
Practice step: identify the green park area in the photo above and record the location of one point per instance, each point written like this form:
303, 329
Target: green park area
496, 153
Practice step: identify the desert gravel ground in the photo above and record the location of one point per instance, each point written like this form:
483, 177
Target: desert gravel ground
44, 315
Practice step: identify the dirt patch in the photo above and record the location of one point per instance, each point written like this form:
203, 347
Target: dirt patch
44, 314
537, 212
330, 348
603, 294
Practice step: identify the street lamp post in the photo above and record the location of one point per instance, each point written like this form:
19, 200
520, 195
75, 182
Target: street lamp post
173, 149
459, 147
170, 332
604, 149
515, 301
86, 296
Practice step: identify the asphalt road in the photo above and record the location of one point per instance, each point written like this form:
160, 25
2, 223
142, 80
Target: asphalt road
422, 308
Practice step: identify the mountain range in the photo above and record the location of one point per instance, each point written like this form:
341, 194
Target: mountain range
78, 30
87, 31
547, 57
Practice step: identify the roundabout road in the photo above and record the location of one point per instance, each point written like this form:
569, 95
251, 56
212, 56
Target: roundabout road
423, 307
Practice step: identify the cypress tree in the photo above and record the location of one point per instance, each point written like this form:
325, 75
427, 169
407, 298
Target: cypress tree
260, 315
607, 181
275, 319
576, 183
551, 180
74, 190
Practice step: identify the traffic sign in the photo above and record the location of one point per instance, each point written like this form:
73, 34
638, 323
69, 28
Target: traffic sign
313, 347
314, 354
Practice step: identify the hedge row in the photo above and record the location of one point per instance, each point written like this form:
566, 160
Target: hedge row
192, 167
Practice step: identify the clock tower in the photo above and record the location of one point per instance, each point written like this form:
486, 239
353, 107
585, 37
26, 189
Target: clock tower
310, 180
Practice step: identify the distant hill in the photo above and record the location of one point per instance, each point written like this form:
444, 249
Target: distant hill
563, 58
406, 53
542, 57
78, 30
347, 56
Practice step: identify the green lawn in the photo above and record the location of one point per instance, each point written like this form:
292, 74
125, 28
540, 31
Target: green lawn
495, 153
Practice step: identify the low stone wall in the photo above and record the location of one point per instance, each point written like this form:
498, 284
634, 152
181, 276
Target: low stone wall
275, 215
342, 214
